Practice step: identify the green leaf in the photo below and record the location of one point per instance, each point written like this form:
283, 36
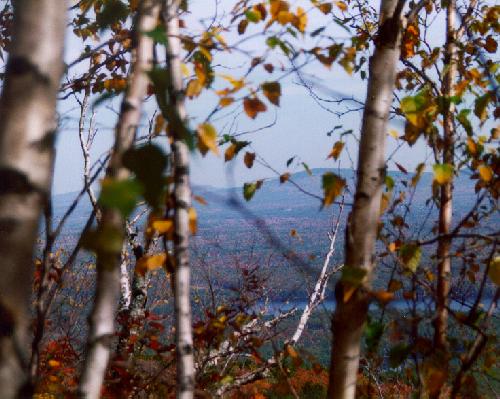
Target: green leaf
104, 240
389, 182
410, 255
398, 354
158, 34
121, 195
306, 167
415, 108
462, 117
373, 333
148, 163
249, 190
332, 187
272, 41
443, 173
353, 275
480, 107
252, 16
113, 11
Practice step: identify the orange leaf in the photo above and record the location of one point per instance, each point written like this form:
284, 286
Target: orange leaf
284, 177
253, 106
249, 159
485, 173
225, 101
193, 220
341, 5
383, 296
336, 150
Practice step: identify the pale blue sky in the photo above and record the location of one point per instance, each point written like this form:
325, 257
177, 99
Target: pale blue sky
301, 125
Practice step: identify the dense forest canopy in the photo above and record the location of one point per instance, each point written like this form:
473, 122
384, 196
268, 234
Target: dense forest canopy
249, 199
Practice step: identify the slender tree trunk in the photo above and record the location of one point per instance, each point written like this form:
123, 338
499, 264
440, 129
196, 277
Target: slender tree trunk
108, 266
445, 209
27, 133
318, 294
446, 205
352, 291
182, 199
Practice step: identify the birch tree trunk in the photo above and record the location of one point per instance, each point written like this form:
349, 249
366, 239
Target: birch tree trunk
182, 200
27, 133
108, 267
446, 206
445, 209
352, 291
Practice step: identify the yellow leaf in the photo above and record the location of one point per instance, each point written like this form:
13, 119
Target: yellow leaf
201, 73
285, 17
494, 271
151, 262
384, 202
207, 139
486, 173
193, 221
290, 351
443, 173
394, 133
278, 6
336, 150
54, 363
341, 5
159, 125
185, 70
206, 53
225, 101
236, 83
393, 247
349, 290
300, 22
333, 186
471, 146
162, 227
253, 106
194, 88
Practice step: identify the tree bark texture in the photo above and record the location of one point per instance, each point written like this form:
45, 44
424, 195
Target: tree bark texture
446, 196
352, 291
102, 318
182, 200
445, 209
27, 134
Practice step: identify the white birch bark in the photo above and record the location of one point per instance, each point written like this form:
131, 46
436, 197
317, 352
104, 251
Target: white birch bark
108, 268
318, 294
445, 206
182, 197
352, 300
27, 133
